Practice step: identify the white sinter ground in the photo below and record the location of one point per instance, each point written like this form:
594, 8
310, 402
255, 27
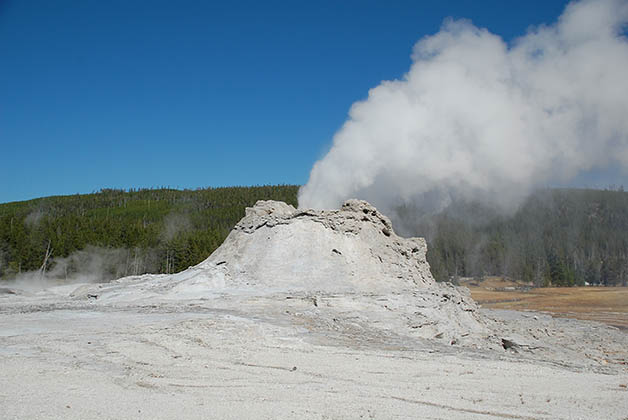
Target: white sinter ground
300, 314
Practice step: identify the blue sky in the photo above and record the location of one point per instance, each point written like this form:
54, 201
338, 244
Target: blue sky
129, 94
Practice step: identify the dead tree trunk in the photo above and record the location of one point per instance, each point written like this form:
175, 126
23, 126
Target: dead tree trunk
42, 270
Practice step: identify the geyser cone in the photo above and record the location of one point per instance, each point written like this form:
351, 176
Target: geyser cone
343, 268
276, 247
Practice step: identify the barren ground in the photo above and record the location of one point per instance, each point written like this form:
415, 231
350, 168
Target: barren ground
239, 357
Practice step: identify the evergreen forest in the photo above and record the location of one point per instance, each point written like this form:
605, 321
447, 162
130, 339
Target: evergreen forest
558, 237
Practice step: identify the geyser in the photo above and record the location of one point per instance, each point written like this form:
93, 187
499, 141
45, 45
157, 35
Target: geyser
476, 117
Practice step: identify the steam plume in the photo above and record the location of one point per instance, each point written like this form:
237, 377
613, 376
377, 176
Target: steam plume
477, 118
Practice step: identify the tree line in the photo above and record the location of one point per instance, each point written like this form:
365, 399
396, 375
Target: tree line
559, 237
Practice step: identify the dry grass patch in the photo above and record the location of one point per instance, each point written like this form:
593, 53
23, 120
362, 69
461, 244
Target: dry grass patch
604, 304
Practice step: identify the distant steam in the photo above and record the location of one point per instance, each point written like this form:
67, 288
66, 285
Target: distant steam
175, 223
90, 265
477, 118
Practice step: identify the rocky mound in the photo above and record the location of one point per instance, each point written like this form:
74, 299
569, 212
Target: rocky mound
333, 270
276, 247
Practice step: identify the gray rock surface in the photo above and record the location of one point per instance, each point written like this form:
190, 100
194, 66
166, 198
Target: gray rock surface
352, 249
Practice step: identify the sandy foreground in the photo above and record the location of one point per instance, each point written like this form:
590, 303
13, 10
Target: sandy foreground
236, 357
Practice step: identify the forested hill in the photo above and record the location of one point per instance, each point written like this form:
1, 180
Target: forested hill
114, 233
558, 237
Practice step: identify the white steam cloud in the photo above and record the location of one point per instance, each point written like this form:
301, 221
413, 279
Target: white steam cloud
476, 118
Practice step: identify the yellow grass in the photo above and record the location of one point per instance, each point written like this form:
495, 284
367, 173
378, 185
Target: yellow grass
604, 304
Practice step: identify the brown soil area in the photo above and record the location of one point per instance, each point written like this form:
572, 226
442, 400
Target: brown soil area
603, 304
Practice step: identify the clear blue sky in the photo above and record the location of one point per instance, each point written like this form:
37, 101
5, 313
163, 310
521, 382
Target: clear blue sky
128, 94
